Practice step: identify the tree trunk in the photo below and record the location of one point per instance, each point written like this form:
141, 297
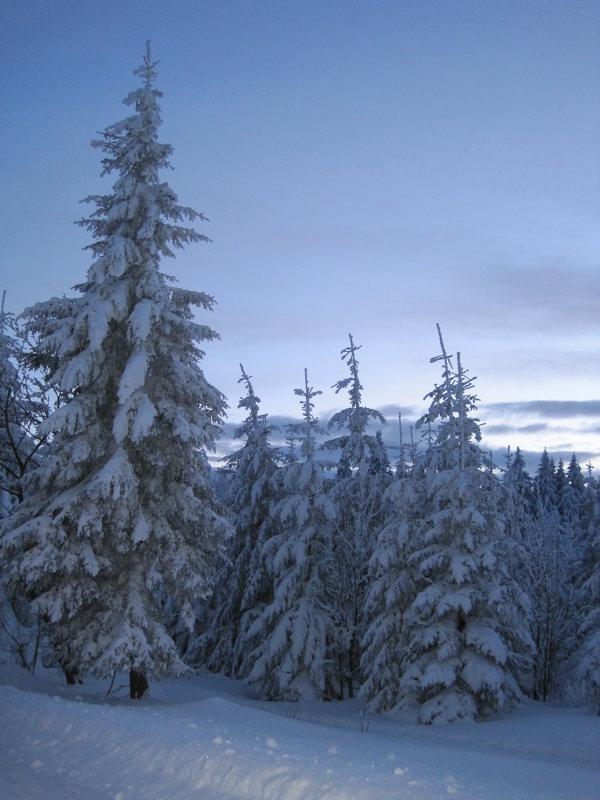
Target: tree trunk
72, 676
138, 684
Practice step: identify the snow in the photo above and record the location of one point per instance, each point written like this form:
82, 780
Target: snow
141, 319
209, 738
134, 374
144, 418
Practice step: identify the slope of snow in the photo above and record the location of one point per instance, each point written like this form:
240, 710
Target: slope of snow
208, 739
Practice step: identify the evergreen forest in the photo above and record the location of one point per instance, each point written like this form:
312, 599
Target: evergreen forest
443, 582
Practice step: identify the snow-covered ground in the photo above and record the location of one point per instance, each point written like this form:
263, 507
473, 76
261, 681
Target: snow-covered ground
207, 738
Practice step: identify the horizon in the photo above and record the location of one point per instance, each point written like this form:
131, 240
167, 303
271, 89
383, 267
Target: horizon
374, 171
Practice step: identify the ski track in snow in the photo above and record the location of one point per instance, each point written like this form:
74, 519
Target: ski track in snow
219, 743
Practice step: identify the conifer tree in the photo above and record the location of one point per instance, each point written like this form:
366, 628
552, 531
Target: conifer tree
576, 483
463, 626
573, 509
25, 402
516, 505
362, 477
244, 586
120, 530
391, 587
577, 509
587, 657
288, 641
545, 483
551, 589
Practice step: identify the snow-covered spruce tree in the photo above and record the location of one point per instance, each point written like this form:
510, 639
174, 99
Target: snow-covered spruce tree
119, 531
288, 641
291, 438
516, 616
244, 587
517, 508
464, 625
25, 402
578, 510
570, 489
391, 587
587, 661
550, 588
362, 477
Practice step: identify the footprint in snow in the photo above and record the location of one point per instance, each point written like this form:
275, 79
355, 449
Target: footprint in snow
271, 742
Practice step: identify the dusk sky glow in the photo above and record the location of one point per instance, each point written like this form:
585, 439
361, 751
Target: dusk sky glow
366, 167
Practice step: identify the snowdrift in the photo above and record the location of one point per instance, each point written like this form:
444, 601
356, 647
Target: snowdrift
208, 739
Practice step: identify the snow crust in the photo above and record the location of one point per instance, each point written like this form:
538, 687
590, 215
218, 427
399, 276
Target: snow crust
208, 738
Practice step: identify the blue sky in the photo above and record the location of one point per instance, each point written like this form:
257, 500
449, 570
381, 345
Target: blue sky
367, 167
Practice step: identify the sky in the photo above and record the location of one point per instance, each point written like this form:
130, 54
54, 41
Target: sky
371, 168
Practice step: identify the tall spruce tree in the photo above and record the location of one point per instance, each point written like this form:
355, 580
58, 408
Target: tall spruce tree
25, 402
119, 532
464, 625
362, 477
587, 659
516, 505
572, 508
244, 586
551, 589
288, 642
577, 509
391, 587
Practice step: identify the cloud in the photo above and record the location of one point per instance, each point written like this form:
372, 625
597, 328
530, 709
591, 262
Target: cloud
499, 430
554, 292
409, 413
549, 409
506, 430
